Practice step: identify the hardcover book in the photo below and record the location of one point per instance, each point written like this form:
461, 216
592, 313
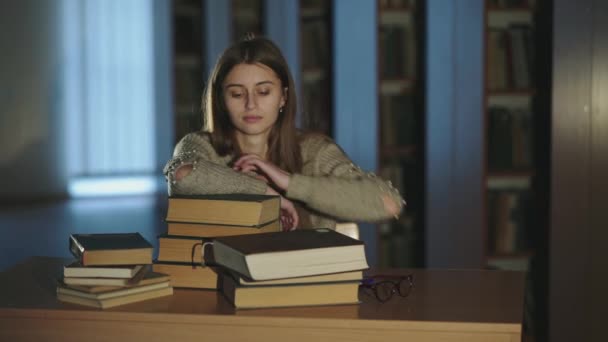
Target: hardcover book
110, 249
249, 297
112, 293
76, 269
144, 277
213, 230
314, 279
289, 254
115, 301
184, 249
226, 209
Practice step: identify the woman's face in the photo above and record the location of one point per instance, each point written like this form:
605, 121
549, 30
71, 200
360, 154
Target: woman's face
253, 95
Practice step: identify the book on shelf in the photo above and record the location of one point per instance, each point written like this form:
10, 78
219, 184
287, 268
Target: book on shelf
144, 277
315, 43
398, 120
510, 54
76, 269
508, 230
289, 254
110, 249
522, 136
187, 32
227, 209
316, 104
187, 275
520, 62
188, 87
510, 138
395, 56
393, 172
105, 303
500, 142
497, 55
213, 230
265, 296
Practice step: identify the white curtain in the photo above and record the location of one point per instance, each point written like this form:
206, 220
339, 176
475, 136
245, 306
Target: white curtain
110, 80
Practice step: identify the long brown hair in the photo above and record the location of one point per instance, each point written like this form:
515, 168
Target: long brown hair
283, 146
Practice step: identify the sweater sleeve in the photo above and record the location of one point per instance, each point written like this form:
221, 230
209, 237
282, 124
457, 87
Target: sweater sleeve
210, 174
340, 189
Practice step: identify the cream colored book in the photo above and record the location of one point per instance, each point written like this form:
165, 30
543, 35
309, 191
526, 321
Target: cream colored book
249, 297
123, 291
76, 269
323, 278
148, 278
115, 301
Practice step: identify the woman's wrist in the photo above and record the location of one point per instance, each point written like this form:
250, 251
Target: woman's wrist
183, 171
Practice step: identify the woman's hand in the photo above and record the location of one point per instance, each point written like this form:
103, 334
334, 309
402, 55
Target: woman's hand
253, 163
289, 215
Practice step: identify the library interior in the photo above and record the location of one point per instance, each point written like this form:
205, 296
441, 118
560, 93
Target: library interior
488, 117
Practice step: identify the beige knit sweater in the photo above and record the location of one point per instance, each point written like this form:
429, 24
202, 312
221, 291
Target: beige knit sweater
330, 187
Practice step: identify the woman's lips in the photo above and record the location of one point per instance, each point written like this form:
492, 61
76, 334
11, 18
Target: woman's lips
252, 118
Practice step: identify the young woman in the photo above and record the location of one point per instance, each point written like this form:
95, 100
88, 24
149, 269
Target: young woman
249, 144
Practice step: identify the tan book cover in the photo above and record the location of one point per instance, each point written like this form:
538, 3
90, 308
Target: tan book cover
76, 269
117, 292
227, 209
249, 297
143, 278
323, 278
213, 230
115, 301
111, 249
183, 249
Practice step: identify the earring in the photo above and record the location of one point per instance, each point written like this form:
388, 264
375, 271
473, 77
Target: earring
281, 110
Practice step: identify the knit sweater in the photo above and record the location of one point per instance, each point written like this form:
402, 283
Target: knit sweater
329, 187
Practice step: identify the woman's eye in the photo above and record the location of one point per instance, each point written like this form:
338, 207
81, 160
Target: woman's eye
236, 95
264, 92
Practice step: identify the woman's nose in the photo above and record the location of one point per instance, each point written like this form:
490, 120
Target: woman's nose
251, 102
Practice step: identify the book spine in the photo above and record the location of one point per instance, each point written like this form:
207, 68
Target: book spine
77, 250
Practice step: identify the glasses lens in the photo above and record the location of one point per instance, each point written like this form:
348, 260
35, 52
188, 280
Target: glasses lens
384, 290
405, 286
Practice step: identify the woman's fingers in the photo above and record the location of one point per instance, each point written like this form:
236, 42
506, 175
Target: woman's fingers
252, 162
293, 214
244, 159
289, 215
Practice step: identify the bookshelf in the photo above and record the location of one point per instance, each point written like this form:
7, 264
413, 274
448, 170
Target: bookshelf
511, 133
188, 65
316, 69
246, 18
400, 123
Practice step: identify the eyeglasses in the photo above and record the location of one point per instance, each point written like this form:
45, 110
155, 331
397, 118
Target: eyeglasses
384, 286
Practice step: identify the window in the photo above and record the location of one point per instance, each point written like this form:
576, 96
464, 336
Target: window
110, 109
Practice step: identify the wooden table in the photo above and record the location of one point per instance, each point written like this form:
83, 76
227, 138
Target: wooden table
445, 305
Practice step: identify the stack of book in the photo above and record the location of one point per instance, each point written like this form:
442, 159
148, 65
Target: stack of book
111, 270
194, 220
298, 268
